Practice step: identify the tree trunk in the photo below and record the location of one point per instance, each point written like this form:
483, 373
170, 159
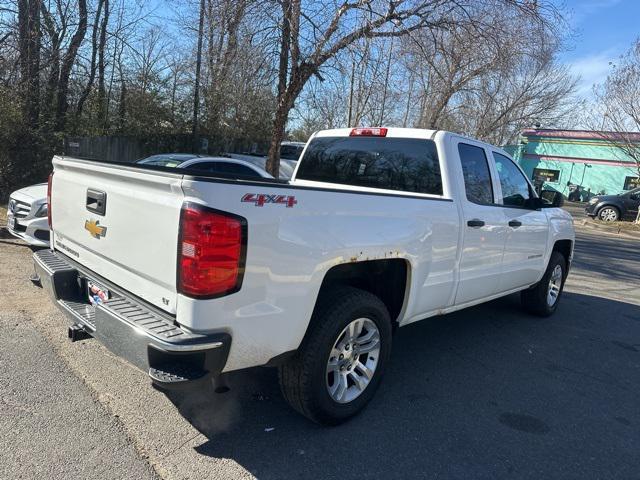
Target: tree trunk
282, 112
196, 88
29, 39
94, 55
67, 65
102, 97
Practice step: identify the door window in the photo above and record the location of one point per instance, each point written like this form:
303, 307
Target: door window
515, 188
475, 170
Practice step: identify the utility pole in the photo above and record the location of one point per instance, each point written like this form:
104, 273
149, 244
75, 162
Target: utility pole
196, 89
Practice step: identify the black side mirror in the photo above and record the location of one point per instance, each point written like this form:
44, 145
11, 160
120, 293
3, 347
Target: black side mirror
551, 198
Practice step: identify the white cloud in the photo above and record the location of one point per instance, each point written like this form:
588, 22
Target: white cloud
592, 69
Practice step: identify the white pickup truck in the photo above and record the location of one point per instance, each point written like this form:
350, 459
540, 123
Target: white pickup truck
189, 277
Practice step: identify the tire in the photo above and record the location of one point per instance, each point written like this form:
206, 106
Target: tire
306, 379
538, 299
609, 213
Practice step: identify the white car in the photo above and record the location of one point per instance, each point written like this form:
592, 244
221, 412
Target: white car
27, 215
191, 276
27, 209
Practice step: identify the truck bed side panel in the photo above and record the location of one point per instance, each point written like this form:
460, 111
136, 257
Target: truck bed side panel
290, 249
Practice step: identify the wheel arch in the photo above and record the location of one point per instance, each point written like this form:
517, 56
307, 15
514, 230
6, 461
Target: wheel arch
388, 279
565, 248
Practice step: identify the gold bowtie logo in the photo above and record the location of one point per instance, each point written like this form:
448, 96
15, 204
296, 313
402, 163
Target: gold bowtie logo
93, 227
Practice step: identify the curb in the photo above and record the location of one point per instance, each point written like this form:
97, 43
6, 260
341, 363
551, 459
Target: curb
611, 230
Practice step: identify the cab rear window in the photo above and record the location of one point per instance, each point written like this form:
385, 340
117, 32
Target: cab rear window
404, 164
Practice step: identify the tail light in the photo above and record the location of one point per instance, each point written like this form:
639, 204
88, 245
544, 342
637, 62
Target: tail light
369, 132
49, 200
211, 252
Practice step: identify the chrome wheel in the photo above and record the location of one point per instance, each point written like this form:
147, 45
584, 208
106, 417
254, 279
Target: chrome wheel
555, 283
608, 214
353, 360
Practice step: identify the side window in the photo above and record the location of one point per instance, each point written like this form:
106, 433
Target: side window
224, 168
475, 170
242, 170
515, 188
209, 167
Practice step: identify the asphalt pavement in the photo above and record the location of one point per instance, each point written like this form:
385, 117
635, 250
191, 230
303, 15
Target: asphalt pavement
488, 392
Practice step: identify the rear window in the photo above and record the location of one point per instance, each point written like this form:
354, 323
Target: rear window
404, 164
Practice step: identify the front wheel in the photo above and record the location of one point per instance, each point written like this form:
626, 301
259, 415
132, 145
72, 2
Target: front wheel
609, 214
340, 363
542, 299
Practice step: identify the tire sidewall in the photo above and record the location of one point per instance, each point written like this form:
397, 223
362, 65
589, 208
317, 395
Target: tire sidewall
336, 412
608, 207
556, 259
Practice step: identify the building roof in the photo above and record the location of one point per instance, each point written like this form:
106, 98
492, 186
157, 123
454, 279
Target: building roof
581, 134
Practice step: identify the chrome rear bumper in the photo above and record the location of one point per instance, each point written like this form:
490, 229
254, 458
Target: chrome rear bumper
130, 328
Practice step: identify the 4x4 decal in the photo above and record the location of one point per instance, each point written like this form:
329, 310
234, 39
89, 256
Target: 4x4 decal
259, 199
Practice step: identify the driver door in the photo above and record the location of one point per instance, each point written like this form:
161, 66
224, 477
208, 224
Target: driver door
524, 259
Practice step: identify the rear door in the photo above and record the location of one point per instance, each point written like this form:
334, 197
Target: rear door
527, 229
484, 225
120, 222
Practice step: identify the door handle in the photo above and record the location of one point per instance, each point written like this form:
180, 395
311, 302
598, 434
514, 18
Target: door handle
475, 223
515, 223
96, 201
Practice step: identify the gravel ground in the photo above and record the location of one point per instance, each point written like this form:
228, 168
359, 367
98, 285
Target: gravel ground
488, 392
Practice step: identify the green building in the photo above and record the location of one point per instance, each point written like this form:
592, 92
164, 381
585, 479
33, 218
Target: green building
564, 159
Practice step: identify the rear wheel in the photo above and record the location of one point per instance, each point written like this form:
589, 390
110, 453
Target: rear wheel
340, 363
542, 299
609, 214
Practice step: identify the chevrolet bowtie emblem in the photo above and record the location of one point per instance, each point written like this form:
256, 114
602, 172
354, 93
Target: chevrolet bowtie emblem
94, 229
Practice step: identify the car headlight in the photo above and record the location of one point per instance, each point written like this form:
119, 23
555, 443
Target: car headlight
42, 210
593, 200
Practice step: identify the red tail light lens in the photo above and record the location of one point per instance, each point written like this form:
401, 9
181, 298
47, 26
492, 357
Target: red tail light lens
369, 132
49, 200
211, 252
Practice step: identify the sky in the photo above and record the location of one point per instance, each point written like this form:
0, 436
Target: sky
605, 29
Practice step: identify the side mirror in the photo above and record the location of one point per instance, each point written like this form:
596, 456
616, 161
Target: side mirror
551, 198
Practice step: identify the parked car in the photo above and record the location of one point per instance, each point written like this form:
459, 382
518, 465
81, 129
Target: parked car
189, 277
27, 215
611, 208
213, 165
289, 154
168, 159
27, 209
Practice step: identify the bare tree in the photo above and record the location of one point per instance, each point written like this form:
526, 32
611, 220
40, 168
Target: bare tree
618, 115
29, 48
316, 32
68, 62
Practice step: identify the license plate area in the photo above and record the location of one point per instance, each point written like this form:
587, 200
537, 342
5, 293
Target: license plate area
11, 222
96, 293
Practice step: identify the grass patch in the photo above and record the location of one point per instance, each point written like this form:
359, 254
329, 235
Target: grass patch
3, 215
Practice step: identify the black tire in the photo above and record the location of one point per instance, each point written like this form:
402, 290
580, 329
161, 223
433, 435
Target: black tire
534, 299
609, 208
303, 378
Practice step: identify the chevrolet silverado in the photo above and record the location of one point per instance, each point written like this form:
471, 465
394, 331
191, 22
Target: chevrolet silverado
192, 275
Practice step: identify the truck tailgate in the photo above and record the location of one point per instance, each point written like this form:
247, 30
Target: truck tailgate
133, 242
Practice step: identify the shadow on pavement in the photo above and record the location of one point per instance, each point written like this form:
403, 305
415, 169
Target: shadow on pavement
612, 257
488, 392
